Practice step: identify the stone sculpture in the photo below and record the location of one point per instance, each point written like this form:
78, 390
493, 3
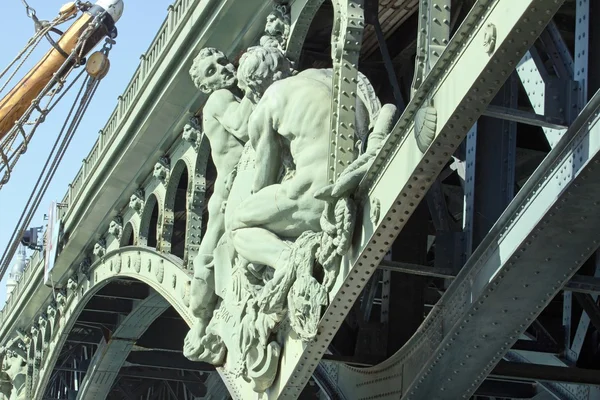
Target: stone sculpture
12, 375
224, 119
116, 227
136, 201
277, 230
162, 170
277, 28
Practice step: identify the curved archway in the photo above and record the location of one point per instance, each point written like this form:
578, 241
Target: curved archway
148, 233
163, 273
176, 214
128, 235
180, 210
201, 188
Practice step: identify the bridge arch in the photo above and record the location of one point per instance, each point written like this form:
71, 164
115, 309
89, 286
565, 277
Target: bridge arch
177, 211
164, 273
128, 237
150, 222
199, 191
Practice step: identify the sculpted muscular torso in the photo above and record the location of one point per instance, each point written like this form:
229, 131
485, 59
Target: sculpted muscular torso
224, 121
293, 113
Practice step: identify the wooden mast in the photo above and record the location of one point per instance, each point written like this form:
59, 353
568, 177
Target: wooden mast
18, 100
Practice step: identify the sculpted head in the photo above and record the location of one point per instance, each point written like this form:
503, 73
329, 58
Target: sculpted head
260, 67
212, 71
278, 23
270, 41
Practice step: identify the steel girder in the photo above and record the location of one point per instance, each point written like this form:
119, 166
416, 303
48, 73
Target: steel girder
110, 357
474, 65
540, 241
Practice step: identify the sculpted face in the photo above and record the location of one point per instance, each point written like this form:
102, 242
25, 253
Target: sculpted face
275, 25
213, 72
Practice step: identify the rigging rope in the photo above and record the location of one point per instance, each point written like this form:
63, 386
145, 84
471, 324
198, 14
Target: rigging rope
63, 140
8, 154
28, 9
52, 162
31, 45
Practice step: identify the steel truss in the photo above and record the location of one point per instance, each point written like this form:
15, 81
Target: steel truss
459, 99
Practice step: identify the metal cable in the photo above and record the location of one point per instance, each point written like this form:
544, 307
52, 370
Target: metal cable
28, 9
33, 42
8, 162
54, 159
27, 214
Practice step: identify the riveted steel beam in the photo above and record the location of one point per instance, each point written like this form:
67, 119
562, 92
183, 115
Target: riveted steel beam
110, 356
459, 99
535, 230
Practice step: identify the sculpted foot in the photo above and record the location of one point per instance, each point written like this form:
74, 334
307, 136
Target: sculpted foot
192, 346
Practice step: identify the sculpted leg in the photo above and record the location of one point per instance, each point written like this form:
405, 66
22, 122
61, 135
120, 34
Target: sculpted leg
203, 301
266, 217
260, 246
215, 227
280, 209
203, 298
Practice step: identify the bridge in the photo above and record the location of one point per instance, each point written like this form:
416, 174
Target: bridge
473, 270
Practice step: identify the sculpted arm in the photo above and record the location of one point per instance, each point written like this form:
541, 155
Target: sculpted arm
232, 114
351, 177
268, 151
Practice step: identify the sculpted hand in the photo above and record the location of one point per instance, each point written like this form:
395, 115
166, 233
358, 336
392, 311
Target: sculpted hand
251, 95
349, 179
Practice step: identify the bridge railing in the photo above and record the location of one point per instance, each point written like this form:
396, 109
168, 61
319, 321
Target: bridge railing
35, 259
148, 62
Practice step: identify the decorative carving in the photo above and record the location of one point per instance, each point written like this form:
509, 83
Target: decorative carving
191, 133
375, 211
277, 28
13, 374
61, 301
136, 201
425, 126
286, 224
162, 169
72, 284
35, 330
116, 227
42, 321
117, 264
137, 263
489, 38
160, 272
51, 311
100, 248
185, 294
84, 267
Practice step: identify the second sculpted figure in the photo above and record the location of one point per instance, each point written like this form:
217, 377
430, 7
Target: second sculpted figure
224, 120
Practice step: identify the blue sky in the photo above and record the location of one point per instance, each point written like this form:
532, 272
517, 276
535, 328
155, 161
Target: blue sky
137, 28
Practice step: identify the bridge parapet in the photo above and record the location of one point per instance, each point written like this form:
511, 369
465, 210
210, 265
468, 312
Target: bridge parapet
178, 13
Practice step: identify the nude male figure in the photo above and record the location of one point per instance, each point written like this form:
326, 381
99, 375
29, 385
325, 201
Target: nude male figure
224, 120
293, 114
